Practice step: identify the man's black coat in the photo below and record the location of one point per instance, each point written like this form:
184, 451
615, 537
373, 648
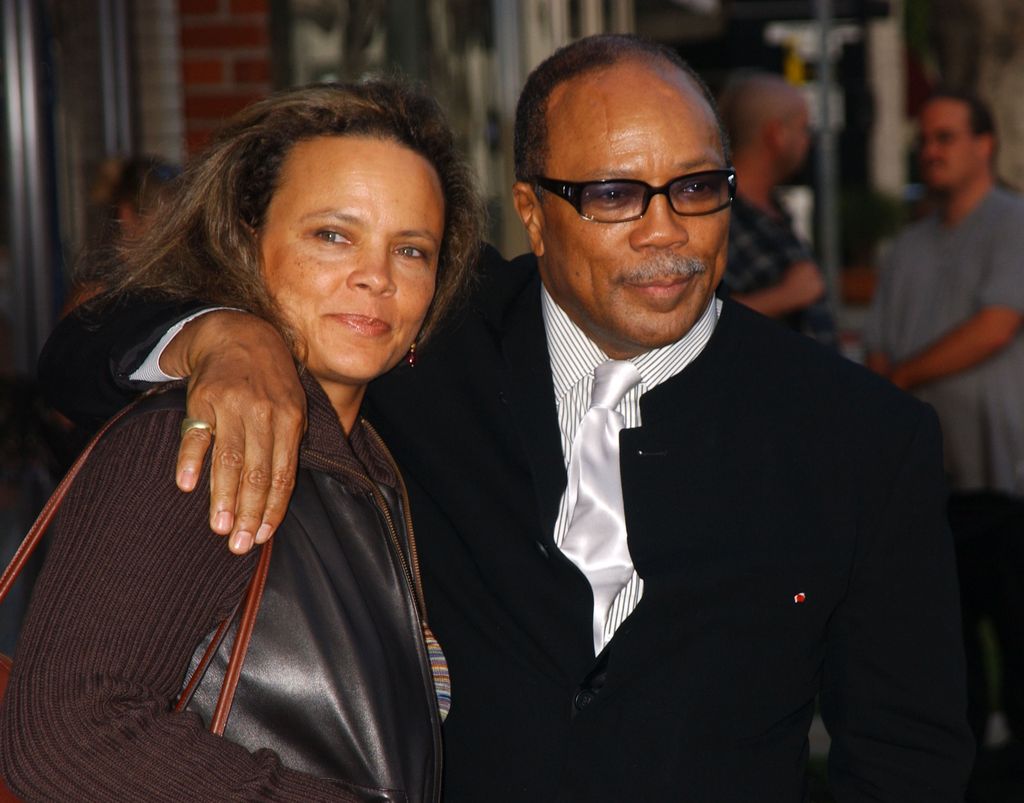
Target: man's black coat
785, 509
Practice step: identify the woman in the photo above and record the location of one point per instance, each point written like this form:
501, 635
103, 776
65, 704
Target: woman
343, 215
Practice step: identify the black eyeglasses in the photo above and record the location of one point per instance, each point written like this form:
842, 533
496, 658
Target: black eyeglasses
618, 200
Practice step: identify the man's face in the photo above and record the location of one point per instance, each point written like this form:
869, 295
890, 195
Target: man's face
642, 284
951, 155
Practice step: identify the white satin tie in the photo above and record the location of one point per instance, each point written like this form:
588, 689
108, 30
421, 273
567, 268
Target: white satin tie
596, 538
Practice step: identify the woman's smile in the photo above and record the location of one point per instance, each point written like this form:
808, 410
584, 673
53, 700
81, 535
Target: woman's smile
366, 325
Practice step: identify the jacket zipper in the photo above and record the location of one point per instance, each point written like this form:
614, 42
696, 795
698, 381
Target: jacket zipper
382, 504
412, 576
413, 572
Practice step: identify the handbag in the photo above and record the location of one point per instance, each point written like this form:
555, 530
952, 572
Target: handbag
249, 606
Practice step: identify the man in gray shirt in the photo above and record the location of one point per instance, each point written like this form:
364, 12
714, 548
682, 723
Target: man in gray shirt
946, 325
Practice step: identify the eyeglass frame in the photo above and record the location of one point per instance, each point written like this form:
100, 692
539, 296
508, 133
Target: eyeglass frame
572, 192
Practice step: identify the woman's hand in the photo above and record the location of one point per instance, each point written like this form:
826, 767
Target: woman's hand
244, 384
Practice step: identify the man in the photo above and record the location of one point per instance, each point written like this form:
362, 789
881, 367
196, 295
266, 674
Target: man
783, 508
770, 269
946, 325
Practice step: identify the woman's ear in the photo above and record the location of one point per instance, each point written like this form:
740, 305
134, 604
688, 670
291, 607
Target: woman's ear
530, 211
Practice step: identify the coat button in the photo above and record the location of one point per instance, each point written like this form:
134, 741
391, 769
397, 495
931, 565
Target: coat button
583, 698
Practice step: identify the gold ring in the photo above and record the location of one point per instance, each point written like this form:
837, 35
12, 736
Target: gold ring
188, 424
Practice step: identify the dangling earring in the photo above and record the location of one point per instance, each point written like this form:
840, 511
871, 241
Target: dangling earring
410, 357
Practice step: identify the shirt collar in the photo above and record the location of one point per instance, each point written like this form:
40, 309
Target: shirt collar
574, 355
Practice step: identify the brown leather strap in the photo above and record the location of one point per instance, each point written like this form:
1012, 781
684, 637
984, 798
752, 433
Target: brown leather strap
245, 626
5, 673
241, 645
189, 689
35, 535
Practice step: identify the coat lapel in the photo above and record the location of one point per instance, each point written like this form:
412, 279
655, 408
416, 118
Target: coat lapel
529, 395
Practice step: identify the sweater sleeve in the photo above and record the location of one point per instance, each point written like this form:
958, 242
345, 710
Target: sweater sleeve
134, 579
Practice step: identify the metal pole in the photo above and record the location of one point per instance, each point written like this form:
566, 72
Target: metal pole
623, 16
510, 49
112, 19
827, 168
31, 239
18, 241
590, 17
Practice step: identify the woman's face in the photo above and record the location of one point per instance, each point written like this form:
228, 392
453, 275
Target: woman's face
350, 246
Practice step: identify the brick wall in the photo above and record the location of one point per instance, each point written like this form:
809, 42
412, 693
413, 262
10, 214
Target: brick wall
225, 49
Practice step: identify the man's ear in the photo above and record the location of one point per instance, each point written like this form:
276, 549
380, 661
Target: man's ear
531, 213
772, 134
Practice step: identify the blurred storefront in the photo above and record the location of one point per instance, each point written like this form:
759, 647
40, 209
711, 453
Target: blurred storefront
87, 80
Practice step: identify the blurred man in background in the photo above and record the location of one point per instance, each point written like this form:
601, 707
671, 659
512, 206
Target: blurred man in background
771, 269
945, 325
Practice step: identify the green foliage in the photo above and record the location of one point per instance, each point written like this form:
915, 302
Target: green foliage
866, 218
916, 27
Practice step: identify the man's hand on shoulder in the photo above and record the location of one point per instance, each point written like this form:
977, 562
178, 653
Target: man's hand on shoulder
243, 382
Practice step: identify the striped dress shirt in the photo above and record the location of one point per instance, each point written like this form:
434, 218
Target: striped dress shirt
573, 359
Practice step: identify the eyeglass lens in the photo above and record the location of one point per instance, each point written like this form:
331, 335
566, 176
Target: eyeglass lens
697, 194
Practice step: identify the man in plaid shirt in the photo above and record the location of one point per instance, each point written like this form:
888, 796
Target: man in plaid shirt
770, 268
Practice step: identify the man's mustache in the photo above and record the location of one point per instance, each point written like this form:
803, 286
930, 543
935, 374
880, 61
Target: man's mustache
665, 266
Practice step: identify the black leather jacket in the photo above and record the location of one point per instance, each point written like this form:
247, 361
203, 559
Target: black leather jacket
337, 679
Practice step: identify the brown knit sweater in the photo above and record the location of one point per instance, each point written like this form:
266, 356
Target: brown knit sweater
133, 581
